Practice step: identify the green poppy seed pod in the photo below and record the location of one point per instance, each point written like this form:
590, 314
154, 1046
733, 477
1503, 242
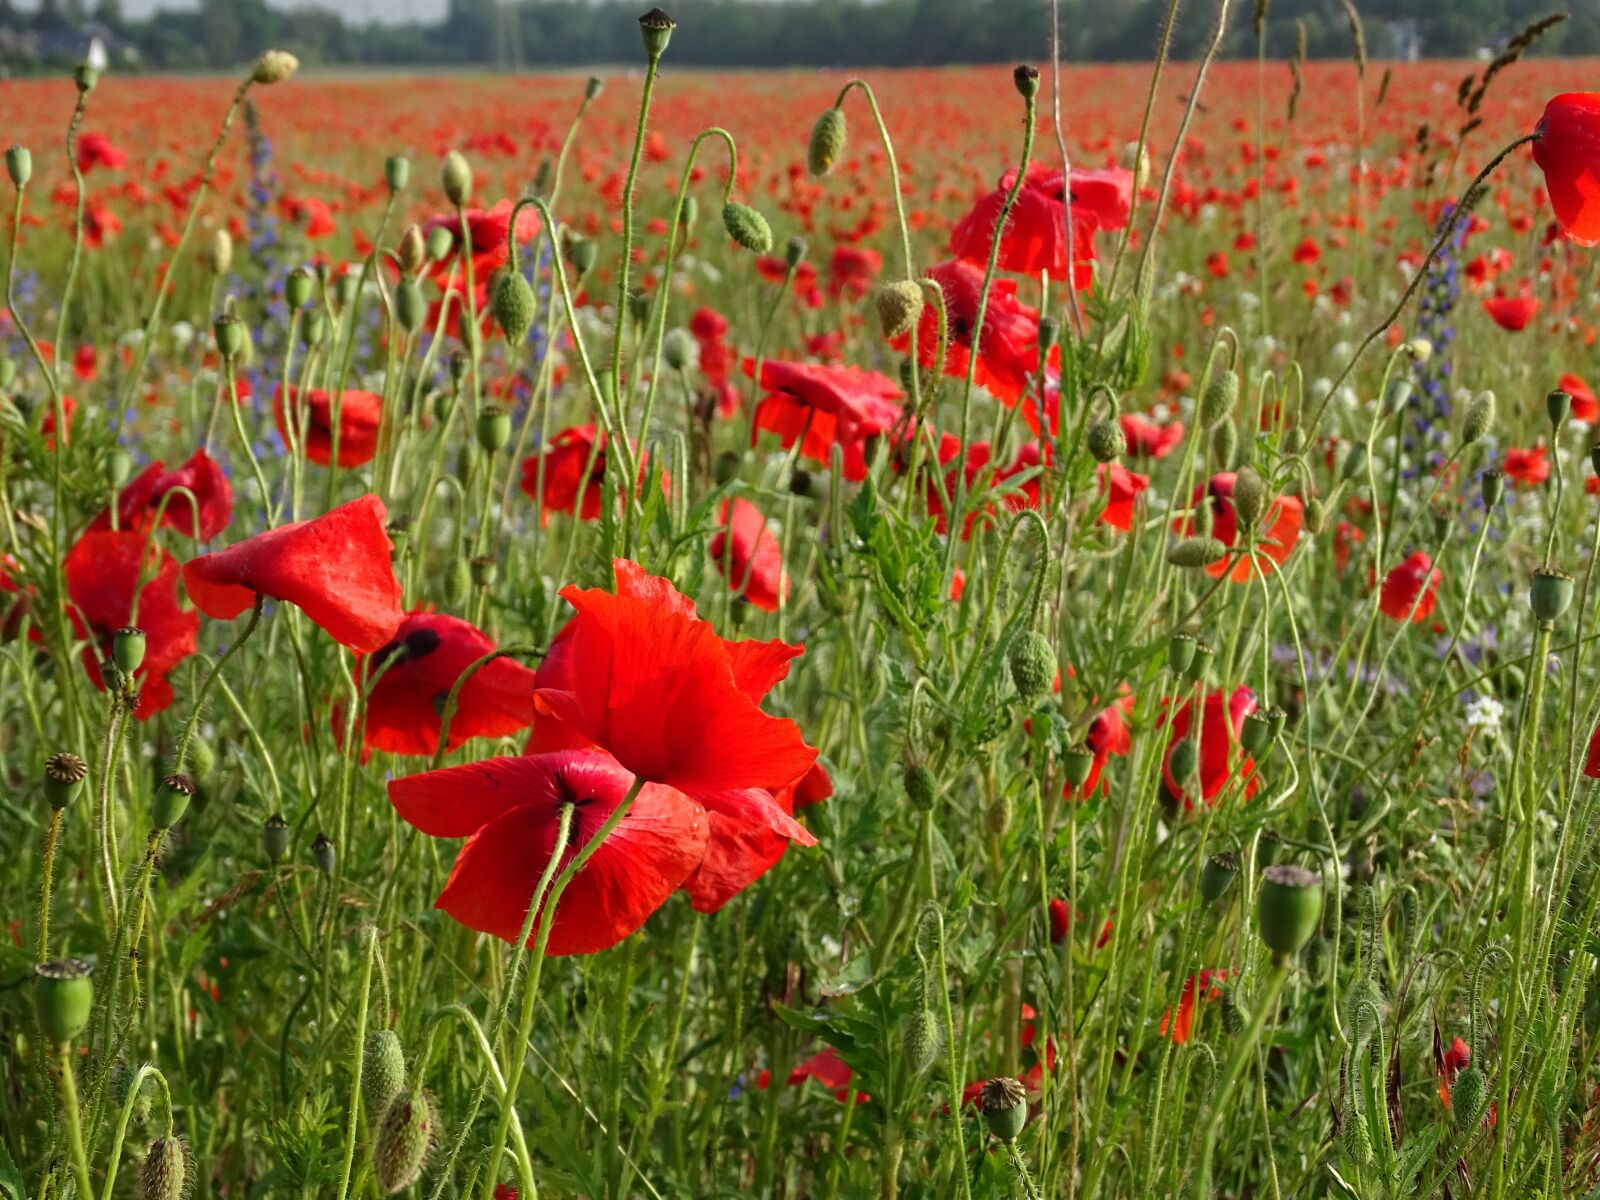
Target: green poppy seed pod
1184, 760
404, 1139
1550, 594
412, 251
919, 1039
1199, 662
63, 995
457, 582
165, 1172
484, 570
345, 289
220, 253
1180, 651
513, 306
639, 306
1278, 719
1049, 334
440, 242
1558, 406
274, 66
1076, 764
747, 227
64, 773
592, 89
1224, 444
383, 1071
1026, 81
1033, 666
19, 165
1316, 515
459, 364
794, 251
656, 29
1480, 416
323, 854
1106, 441
583, 255
171, 801
494, 428
1217, 876
1469, 1096
230, 336
85, 77
919, 787
1197, 552
1397, 395
127, 648
899, 306
1269, 848
297, 288
1288, 907
410, 309
1492, 486
1004, 1103
1249, 497
678, 349
1256, 733
455, 177
397, 172
275, 836
827, 142
1220, 398
314, 329
1355, 463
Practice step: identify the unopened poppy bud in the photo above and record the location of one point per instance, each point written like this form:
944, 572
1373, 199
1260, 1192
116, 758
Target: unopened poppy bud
1106, 441
794, 251
899, 306
1558, 406
592, 89
1217, 876
1420, 349
397, 172
747, 227
513, 305
1220, 398
274, 66
314, 329
275, 836
1480, 415
919, 1039
459, 364
1184, 760
1550, 594
165, 1172
64, 773
543, 176
323, 854
297, 288
230, 336
171, 801
484, 570
1004, 1103
1316, 515
19, 165
383, 1071
1224, 444
918, 783
455, 177
1469, 1097
1033, 666
583, 254
1288, 907
1180, 651
85, 77
1049, 334
1492, 485
1076, 764
494, 427
63, 995
1026, 81
220, 253
1197, 552
404, 1139
827, 142
345, 289
656, 29
1249, 497
678, 349
127, 648
410, 309
1200, 662
1255, 735
440, 242
412, 251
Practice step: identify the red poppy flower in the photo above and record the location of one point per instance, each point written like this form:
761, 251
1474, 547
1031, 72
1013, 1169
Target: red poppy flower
1584, 405
1411, 588
1285, 517
851, 271
827, 1068
203, 519
360, 414
983, 479
709, 328
1568, 152
1220, 758
103, 571
509, 810
1060, 926
748, 555
100, 224
97, 150
1511, 312
1108, 734
1591, 760
1195, 988
1035, 237
1146, 439
1526, 468
336, 567
1008, 349
823, 406
1122, 488
567, 489
1307, 251
420, 664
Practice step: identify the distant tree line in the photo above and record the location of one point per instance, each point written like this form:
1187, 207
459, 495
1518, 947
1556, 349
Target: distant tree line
761, 33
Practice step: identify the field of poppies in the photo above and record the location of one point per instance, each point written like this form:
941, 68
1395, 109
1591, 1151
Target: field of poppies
964, 633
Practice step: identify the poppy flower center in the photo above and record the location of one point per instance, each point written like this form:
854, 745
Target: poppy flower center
419, 643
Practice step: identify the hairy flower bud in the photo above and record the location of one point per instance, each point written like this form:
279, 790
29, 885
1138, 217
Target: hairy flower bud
1220, 398
404, 1139
166, 1169
1249, 497
383, 1071
1480, 415
1197, 552
827, 142
899, 306
747, 227
513, 305
455, 177
1033, 666
1106, 441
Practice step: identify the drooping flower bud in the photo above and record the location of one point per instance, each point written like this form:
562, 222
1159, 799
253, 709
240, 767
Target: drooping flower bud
513, 305
747, 227
1288, 908
678, 349
64, 773
383, 1071
165, 1172
1197, 552
404, 1139
1106, 440
1220, 398
455, 177
410, 308
1184, 760
827, 142
1004, 1103
919, 786
919, 1039
1480, 415
1469, 1097
1033, 666
583, 255
794, 251
899, 306
220, 255
1249, 497
63, 995
274, 66
439, 243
